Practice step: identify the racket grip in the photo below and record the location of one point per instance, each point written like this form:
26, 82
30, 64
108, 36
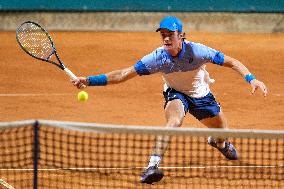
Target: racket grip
74, 77
70, 74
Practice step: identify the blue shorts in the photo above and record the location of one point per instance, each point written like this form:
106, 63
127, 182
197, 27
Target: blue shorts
200, 108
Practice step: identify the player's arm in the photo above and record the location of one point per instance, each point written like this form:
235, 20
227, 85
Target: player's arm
113, 77
149, 64
119, 76
245, 73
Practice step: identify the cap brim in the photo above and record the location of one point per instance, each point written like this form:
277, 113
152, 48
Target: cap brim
165, 28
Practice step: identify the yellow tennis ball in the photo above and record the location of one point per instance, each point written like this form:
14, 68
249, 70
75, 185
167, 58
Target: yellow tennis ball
82, 96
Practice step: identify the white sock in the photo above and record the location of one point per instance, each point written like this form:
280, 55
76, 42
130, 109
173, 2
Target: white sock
221, 145
154, 160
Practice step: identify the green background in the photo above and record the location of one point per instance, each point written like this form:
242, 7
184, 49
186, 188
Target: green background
144, 5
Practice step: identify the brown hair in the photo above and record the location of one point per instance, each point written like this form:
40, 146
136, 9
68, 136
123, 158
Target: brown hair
182, 35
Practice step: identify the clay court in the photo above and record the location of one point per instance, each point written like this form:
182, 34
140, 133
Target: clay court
32, 89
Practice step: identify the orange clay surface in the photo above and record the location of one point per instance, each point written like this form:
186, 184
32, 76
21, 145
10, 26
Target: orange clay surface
32, 89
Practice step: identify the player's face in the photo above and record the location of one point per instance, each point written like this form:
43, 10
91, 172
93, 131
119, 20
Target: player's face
171, 41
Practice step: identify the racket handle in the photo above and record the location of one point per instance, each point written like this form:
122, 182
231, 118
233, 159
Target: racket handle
70, 74
73, 76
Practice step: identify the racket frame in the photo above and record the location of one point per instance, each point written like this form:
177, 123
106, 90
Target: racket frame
54, 51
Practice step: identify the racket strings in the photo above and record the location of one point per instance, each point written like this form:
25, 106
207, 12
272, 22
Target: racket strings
35, 41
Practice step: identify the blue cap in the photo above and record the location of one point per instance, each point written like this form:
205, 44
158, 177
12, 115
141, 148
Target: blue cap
171, 23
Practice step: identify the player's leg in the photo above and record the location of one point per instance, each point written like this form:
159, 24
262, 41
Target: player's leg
218, 121
174, 112
222, 144
208, 112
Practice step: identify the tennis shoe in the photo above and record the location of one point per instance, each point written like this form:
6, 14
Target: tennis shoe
152, 174
228, 151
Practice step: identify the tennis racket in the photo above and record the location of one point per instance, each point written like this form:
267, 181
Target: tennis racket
37, 42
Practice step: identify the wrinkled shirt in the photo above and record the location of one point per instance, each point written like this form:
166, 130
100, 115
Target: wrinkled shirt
185, 73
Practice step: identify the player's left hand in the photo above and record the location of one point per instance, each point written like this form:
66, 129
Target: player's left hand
255, 84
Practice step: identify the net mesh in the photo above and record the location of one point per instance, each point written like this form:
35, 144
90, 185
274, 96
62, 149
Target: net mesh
34, 40
115, 158
16, 155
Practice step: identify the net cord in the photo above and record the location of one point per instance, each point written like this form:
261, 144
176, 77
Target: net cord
155, 130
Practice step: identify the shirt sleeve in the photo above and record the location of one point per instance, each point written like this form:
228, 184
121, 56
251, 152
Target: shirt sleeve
150, 63
141, 69
205, 53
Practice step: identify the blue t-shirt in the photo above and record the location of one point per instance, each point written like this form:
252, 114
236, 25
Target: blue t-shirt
192, 56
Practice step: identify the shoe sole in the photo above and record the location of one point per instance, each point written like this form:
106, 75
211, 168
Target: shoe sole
154, 176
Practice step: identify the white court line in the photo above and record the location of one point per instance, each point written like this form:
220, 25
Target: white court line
5, 184
269, 94
33, 94
129, 168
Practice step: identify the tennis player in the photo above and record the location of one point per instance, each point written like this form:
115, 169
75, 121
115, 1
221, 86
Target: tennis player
182, 66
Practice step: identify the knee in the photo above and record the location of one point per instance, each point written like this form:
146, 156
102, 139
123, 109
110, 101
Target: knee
174, 122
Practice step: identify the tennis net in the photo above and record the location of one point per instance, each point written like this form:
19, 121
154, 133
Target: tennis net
52, 154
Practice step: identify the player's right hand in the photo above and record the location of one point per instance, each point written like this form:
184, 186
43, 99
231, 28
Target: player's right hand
80, 82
